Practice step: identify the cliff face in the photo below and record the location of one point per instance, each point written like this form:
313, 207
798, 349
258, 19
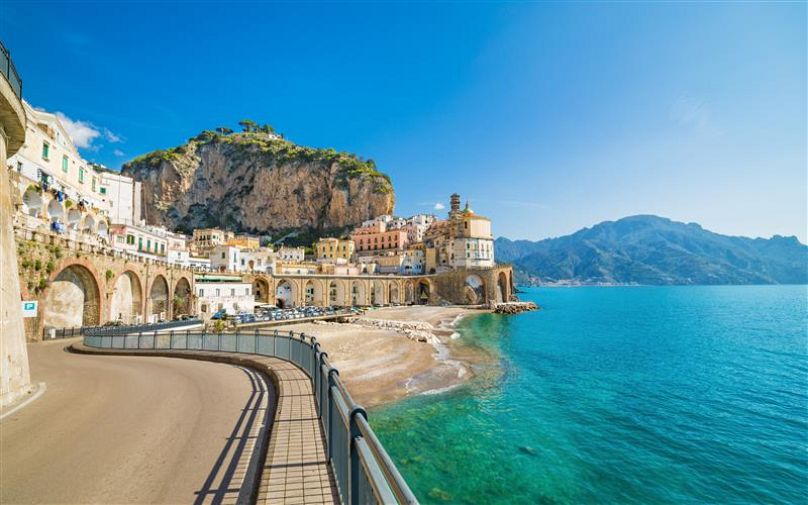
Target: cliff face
258, 183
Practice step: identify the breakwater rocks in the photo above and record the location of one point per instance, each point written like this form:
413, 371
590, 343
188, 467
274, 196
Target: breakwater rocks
414, 330
513, 307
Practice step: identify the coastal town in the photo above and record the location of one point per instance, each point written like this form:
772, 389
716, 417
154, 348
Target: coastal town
62, 202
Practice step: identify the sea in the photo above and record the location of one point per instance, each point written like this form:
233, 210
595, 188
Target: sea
620, 395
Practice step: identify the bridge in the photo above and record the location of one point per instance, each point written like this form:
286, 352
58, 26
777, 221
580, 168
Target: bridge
77, 283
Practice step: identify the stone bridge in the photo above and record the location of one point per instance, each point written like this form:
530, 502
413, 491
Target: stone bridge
81, 284
465, 287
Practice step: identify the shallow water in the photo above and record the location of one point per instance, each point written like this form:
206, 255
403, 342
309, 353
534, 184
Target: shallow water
621, 395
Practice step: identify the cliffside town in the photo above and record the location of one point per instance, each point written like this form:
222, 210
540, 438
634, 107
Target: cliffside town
96, 246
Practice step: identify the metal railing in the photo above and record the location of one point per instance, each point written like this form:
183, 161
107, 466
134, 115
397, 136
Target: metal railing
79, 331
363, 470
8, 70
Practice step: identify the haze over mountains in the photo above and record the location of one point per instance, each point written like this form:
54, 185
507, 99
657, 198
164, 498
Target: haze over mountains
654, 250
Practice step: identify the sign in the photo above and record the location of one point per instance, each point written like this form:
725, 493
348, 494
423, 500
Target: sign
29, 309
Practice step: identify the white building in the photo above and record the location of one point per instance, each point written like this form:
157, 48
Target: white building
257, 260
59, 190
225, 258
178, 249
291, 254
147, 240
220, 292
413, 261
200, 263
123, 197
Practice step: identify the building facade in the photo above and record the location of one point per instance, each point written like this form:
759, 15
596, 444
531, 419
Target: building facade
331, 249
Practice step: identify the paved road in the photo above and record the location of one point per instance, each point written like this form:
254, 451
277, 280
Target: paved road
117, 429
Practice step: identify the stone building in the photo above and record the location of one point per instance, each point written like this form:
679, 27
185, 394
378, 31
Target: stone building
205, 239
331, 249
464, 240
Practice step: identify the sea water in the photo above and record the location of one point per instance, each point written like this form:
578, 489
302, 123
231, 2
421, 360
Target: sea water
620, 395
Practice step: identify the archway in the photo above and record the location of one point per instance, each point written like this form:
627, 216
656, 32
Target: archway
158, 299
393, 296
33, 202
313, 293
102, 228
261, 290
409, 293
89, 224
377, 293
72, 299
182, 297
358, 293
73, 219
474, 290
503, 294
285, 295
336, 293
423, 292
126, 303
56, 211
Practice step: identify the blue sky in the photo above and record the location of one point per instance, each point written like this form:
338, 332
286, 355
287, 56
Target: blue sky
548, 117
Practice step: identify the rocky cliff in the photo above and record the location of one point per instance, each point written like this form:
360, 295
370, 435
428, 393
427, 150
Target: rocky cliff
257, 182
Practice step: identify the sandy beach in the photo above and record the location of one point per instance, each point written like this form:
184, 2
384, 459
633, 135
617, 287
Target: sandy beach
382, 358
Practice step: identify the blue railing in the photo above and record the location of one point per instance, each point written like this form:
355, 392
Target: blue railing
363, 470
8, 70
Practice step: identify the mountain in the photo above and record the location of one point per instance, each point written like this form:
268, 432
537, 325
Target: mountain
655, 250
257, 182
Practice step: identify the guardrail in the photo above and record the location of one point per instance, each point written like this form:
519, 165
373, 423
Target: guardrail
363, 470
8, 70
79, 331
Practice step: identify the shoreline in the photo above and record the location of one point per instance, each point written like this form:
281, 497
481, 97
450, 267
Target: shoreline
392, 353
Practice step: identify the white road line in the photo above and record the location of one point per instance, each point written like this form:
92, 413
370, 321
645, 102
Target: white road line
39, 392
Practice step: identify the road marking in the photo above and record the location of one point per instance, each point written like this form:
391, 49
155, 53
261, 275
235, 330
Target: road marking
39, 392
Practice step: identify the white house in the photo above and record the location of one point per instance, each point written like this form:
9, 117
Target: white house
221, 292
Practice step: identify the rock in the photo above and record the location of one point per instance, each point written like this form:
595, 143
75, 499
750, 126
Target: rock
258, 183
513, 307
524, 449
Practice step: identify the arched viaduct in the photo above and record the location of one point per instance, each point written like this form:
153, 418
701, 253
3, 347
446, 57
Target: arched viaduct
78, 284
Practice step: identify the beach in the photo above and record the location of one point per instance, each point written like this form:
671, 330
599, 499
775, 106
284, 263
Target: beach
390, 353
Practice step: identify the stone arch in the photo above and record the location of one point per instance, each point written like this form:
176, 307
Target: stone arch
313, 293
377, 292
503, 293
73, 298
88, 225
126, 303
393, 295
336, 293
56, 211
102, 228
74, 218
285, 294
182, 301
358, 295
261, 290
158, 299
34, 203
409, 293
474, 290
423, 292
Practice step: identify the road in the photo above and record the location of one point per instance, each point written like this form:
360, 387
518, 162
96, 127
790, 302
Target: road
118, 429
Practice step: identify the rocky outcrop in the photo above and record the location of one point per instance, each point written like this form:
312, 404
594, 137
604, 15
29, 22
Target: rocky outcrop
258, 182
513, 307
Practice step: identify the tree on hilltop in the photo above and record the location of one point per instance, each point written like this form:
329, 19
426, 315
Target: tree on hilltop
224, 130
248, 125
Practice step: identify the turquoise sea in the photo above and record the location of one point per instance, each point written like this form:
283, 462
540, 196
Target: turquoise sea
620, 395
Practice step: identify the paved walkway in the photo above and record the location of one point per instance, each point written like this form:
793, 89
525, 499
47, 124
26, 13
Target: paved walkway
296, 469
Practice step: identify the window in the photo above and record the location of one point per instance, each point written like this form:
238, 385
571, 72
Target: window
163, 248
19, 166
45, 150
233, 292
201, 292
81, 175
64, 164
130, 239
148, 245
140, 243
103, 191
222, 255
93, 186
217, 292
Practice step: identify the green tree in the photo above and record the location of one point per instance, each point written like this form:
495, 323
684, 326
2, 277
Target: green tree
267, 129
248, 125
224, 130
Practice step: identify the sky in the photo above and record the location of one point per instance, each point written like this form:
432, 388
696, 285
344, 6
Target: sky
547, 117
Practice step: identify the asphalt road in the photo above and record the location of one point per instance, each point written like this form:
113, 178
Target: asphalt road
118, 429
